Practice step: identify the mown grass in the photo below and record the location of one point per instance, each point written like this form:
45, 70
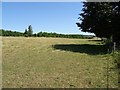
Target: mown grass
56, 62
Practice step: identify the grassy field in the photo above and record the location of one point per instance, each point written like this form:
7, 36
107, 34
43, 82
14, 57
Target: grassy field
56, 62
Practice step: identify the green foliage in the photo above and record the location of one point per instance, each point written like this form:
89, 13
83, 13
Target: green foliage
0, 32
116, 56
26, 35
44, 34
26, 32
30, 31
10, 33
35, 35
101, 18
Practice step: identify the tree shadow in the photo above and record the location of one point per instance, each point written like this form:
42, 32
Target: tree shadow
96, 40
82, 48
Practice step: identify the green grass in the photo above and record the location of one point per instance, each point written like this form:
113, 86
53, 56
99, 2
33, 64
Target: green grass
56, 62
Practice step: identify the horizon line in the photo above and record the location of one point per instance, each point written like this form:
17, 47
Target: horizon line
51, 32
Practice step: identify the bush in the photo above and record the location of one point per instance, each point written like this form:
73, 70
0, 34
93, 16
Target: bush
26, 35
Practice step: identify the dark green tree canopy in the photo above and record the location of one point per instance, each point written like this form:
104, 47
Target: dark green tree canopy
101, 18
26, 32
30, 31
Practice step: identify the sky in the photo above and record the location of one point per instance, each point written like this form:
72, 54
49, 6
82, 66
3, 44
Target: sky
59, 17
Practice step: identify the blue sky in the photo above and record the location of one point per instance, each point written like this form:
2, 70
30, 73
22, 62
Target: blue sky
59, 17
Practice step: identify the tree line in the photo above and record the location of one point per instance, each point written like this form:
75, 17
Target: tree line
29, 33
45, 34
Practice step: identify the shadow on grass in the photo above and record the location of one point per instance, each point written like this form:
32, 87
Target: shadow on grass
96, 40
83, 48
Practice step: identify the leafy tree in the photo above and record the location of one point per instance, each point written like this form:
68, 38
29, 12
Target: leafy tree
39, 34
101, 18
26, 32
35, 35
30, 31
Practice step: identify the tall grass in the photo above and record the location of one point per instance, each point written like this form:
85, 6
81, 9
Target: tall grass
116, 57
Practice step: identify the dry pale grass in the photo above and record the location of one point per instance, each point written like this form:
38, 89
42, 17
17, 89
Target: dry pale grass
46, 62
